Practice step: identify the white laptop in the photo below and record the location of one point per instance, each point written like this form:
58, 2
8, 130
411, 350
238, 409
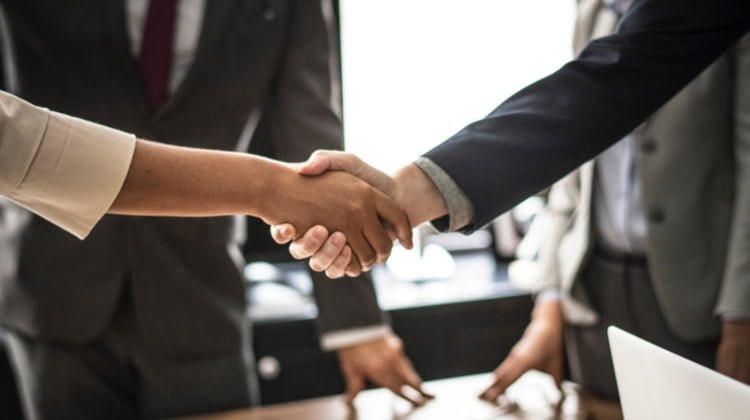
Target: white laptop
657, 384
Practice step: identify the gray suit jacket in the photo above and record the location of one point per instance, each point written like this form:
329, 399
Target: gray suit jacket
694, 167
266, 58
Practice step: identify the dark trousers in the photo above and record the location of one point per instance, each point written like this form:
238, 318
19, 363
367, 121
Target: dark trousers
619, 288
118, 377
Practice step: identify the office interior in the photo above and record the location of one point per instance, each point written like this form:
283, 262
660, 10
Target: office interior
412, 73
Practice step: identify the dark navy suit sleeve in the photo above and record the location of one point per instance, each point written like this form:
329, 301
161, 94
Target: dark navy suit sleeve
552, 126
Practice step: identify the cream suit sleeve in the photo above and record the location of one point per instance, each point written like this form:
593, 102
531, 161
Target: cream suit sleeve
64, 169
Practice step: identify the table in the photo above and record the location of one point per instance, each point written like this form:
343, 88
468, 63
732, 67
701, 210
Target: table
534, 396
459, 326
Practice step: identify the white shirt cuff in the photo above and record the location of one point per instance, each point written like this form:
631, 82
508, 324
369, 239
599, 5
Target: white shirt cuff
460, 209
547, 295
337, 340
735, 316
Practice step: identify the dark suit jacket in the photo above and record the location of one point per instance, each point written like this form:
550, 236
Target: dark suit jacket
693, 164
268, 58
559, 122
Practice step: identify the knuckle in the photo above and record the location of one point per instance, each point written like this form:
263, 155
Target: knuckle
310, 246
356, 208
391, 357
368, 260
397, 345
340, 264
380, 365
316, 265
294, 252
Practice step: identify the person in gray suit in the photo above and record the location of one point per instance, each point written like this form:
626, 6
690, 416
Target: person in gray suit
649, 236
147, 316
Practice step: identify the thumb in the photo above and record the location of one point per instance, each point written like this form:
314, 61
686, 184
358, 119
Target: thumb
314, 166
332, 160
318, 163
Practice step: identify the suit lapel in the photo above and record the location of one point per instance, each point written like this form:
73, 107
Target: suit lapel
215, 20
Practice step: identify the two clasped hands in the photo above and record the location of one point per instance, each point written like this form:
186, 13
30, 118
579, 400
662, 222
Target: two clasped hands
364, 237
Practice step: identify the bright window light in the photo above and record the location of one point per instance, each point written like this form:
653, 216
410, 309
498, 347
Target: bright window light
416, 71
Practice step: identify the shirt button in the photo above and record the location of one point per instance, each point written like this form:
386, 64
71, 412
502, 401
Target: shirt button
648, 145
269, 368
655, 215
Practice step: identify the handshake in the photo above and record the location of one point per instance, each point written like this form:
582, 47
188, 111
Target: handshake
345, 215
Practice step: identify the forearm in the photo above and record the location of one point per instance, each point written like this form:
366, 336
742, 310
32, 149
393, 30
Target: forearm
177, 181
554, 125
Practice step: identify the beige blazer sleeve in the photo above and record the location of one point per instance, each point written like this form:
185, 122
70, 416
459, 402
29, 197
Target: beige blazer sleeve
64, 169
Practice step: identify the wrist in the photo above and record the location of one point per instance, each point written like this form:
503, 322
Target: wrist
274, 183
415, 192
735, 325
548, 313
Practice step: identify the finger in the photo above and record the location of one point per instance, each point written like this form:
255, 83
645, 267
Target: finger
355, 383
328, 160
314, 166
505, 375
309, 243
412, 401
338, 268
354, 269
410, 376
492, 392
391, 234
362, 249
377, 236
396, 385
328, 253
283, 233
395, 218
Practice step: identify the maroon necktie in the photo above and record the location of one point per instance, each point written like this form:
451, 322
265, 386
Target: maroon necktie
156, 49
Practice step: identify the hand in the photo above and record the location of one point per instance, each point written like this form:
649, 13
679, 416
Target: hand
322, 161
410, 187
384, 363
541, 347
342, 203
733, 355
329, 253
329, 257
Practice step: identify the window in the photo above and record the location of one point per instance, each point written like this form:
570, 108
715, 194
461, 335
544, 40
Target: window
416, 71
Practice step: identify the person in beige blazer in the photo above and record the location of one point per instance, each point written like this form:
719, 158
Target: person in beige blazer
677, 271
72, 172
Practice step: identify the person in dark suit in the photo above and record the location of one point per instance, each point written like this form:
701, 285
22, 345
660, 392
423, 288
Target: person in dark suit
146, 317
609, 256
552, 126
555, 124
